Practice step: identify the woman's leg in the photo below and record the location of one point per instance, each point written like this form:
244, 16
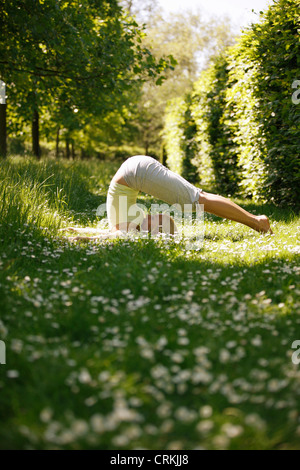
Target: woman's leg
223, 207
166, 183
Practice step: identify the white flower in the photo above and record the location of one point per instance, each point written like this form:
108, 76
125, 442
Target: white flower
221, 442
12, 374
164, 410
206, 411
255, 421
204, 427
177, 357
147, 353
161, 343
120, 441
46, 415
159, 371
232, 430
185, 415
84, 376
97, 423
16, 345
256, 341
224, 356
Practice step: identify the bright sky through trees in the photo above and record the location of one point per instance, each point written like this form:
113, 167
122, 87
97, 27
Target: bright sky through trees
240, 11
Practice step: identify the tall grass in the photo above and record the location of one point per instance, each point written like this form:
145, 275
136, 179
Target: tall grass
49, 193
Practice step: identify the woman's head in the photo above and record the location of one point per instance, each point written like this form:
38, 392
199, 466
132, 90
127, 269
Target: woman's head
159, 223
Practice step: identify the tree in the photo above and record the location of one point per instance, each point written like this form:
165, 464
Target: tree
2, 119
142, 10
89, 52
171, 35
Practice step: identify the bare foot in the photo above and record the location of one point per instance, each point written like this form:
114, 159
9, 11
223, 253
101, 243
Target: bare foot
264, 224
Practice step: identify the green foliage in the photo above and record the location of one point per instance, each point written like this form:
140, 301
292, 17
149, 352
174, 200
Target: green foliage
189, 144
263, 67
168, 35
71, 62
174, 133
241, 119
277, 53
247, 127
197, 137
217, 160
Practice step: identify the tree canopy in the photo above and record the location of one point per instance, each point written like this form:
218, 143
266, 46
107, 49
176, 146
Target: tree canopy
71, 57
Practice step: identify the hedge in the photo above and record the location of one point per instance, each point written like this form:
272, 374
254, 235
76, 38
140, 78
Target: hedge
246, 128
217, 153
174, 134
180, 145
264, 66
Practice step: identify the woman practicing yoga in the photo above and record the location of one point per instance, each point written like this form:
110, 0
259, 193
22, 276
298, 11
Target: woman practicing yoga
143, 173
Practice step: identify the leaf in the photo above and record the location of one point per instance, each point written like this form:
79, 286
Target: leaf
160, 80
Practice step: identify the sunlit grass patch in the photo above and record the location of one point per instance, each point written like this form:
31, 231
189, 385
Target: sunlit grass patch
49, 193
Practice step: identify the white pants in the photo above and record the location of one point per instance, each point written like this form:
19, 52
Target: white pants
143, 173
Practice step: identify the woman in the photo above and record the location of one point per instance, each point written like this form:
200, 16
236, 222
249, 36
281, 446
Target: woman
143, 173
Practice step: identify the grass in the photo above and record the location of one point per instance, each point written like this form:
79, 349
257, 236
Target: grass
141, 344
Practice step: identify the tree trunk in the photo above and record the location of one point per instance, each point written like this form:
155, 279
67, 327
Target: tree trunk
83, 154
146, 148
163, 155
57, 144
35, 135
73, 150
3, 148
67, 148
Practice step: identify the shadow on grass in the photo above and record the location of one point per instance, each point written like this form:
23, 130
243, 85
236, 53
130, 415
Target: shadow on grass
117, 265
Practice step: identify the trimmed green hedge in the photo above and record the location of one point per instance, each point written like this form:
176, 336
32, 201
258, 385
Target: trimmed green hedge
246, 129
174, 134
242, 118
179, 142
263, 67
217, 156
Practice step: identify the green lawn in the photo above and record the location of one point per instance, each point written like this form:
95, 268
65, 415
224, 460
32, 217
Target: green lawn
141, 344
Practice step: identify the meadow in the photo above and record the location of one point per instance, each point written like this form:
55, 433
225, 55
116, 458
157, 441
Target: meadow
142, 344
